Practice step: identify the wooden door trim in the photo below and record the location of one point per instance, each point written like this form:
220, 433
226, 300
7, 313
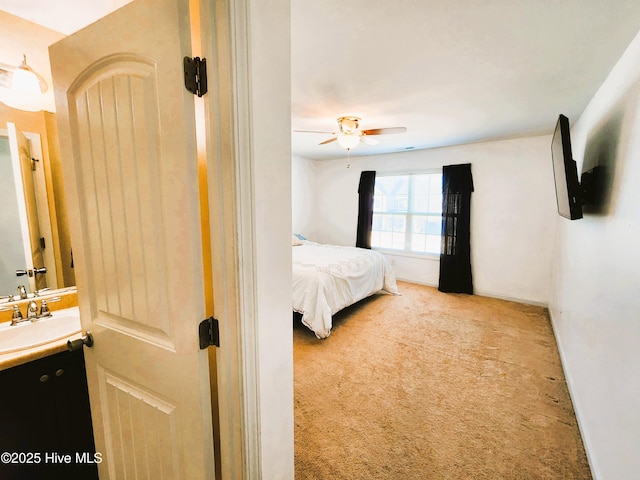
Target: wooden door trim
225, 40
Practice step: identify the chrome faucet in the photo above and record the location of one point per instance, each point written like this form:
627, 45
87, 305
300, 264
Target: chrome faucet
32, 310
33, 314
22, 291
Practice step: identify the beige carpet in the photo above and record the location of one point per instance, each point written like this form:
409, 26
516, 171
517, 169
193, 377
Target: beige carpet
429, 385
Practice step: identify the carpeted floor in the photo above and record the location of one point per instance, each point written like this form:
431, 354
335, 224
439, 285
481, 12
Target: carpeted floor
429, 385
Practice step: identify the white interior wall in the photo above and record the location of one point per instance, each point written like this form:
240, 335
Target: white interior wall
270, 164
512, 219
595, 306
303, 194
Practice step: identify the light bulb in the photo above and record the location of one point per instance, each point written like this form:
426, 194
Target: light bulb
348, 140
26, 90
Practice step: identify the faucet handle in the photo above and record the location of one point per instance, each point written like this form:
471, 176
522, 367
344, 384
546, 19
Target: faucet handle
16, 317
44, 307
38, 292
17, 314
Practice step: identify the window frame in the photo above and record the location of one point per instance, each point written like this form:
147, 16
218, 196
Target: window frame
409, 214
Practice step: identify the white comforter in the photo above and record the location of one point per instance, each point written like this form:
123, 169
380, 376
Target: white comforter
328, 278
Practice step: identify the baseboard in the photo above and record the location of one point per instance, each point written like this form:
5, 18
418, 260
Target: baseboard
409, 280
484, 293
535, 303
584, 433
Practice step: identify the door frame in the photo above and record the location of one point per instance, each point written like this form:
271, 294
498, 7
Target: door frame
229, 190
236, 456
247, 124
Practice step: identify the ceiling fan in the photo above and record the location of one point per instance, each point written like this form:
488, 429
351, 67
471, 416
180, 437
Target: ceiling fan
349, 134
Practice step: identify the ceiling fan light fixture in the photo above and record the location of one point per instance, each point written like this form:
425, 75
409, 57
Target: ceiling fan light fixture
349, 140
349, 125
349, 134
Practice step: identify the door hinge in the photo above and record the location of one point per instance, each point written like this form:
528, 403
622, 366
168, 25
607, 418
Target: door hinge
195, 75
209, 333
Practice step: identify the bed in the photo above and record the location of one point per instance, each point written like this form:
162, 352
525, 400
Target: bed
328, 278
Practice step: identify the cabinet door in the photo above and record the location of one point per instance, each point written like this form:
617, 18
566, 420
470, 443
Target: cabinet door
44, 411
73, 420
26, 419
73, 431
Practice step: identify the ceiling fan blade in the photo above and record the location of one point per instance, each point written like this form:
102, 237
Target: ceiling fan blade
369, 141
384, 131
313, 131
328, 141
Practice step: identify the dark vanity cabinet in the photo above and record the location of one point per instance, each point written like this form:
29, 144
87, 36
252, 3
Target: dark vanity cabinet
45, 420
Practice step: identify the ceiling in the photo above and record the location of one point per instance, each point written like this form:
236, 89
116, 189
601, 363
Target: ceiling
450, 71
64, 16
30, 26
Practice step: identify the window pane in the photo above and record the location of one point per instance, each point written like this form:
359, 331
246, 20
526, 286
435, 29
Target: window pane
408, 202
419, 224
420, 193
391, 194
421, 243
433, 244
418, 234
435, 193
388, 231
435, 182
435, 203
434, 226
425, 234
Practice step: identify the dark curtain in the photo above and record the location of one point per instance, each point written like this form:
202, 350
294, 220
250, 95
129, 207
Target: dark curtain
365, 208
455, 255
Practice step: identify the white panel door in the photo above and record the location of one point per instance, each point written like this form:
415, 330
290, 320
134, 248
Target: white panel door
128, 147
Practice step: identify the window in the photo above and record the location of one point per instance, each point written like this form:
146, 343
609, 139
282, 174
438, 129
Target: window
407, 212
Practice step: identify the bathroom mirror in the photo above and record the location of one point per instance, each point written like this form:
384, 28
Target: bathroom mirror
30, 240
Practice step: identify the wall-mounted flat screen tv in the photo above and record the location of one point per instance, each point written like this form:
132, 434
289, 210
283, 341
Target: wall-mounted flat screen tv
565, 172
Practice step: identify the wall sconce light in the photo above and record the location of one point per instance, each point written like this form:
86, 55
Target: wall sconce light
26, 88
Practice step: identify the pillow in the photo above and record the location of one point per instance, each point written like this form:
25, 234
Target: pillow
295, 241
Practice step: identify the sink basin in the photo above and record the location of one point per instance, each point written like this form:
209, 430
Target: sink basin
62, 324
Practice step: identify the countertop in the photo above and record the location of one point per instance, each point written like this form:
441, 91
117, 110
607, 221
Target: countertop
13, 359
69, 298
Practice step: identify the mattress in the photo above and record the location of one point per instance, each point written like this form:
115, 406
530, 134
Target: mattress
328, 278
